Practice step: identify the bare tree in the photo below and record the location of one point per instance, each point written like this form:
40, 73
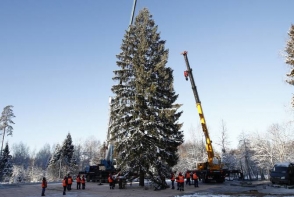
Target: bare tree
246, 154
228, 156
191, 151
21, 154
224, 139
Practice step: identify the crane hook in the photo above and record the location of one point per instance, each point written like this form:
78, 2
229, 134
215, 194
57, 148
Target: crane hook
186, 74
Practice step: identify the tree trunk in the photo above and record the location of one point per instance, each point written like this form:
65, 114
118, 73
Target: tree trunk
141, 178
2, 141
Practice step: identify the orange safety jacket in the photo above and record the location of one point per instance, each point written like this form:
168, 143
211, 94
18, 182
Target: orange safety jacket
44, 184
181, 179
63, 182
187, 175
195, 176
78, 179
172, 177
83, 180
110, 179
69, 181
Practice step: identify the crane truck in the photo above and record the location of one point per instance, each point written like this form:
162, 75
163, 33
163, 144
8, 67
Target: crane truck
212, 169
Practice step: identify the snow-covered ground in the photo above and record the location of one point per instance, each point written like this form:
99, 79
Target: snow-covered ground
93, 189
213, 195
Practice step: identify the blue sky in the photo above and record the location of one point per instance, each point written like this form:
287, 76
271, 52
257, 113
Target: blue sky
57, 60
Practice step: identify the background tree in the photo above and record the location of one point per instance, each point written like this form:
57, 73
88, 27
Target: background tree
226, 155
5, 122
67, 154
43, 156
21, 154
54, 165
290, 58
6, 167
191, 151
91, 151
273, 146
145, 119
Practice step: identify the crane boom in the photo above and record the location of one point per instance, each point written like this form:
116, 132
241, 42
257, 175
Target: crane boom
208, 144
212, 170
132, 13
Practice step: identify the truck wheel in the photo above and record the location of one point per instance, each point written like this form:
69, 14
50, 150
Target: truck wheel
88, 178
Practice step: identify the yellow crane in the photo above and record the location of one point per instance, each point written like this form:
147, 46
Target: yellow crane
212, 169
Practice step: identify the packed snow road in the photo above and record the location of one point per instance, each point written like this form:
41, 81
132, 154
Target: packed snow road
229, 188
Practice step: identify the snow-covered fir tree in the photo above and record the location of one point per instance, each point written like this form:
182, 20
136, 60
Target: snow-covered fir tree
67, 149
6, 166
67, 153
53, 169
145, 125
290, 58
6, 122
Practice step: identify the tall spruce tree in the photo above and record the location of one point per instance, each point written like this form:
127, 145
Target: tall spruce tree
290, 58
6, 166
145, 125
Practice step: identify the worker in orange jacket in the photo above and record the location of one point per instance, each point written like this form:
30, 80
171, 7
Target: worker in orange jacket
111, 181
173, 180
195, 178
69, 182
64, 185
44, 186
78, 179
83, 181
181, 180
188, 181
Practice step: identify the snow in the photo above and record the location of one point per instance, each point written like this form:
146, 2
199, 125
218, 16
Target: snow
212, 195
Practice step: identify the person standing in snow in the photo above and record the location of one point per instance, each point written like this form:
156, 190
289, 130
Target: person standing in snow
181, 180
64, 185
69, 182
191, 175
44, 186
78, 179
195, 178
188, 178
172, 180
111, 181
83, 182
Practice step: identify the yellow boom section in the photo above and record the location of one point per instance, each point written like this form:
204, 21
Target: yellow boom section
205, 131
208, 145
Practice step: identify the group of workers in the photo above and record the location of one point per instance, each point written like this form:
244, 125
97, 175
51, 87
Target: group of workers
66, 183
180, 180
113, 178
68, 180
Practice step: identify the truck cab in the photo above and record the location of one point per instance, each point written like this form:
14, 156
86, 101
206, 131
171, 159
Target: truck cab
282, 173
